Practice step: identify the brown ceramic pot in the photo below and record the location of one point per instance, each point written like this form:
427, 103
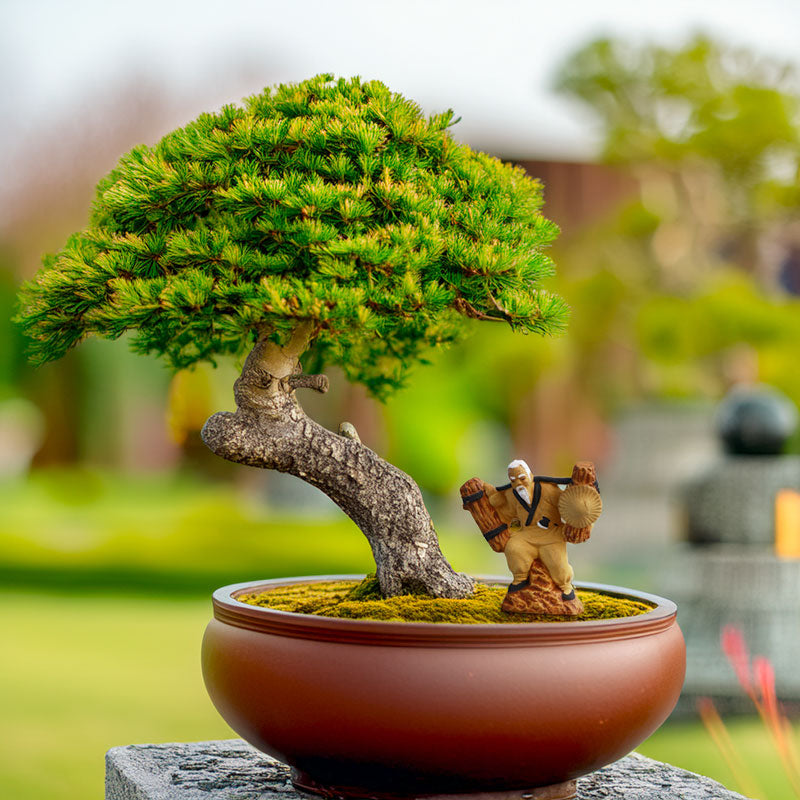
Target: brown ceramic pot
377, 709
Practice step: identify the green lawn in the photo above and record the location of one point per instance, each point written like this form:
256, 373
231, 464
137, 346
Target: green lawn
84, 673
689, 746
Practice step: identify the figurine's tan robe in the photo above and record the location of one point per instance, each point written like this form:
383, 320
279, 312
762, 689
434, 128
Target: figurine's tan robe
537, 540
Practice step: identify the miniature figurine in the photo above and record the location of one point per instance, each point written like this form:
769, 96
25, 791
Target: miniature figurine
531, 519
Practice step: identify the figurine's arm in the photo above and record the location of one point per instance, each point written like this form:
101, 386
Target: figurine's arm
490, 491
500, 503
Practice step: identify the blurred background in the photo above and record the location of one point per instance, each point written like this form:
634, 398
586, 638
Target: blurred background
668, 139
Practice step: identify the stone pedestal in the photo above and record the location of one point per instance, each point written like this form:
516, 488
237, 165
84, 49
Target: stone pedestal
232, 770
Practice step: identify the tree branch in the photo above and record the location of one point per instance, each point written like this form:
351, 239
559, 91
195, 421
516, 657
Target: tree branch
468, 310
280, 361
319, 383
504, 311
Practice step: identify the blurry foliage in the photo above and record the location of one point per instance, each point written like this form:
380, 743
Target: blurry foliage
704, 105
436, 426
712, 132
719, 318
12, 359
728, 312
712, 135
158, 531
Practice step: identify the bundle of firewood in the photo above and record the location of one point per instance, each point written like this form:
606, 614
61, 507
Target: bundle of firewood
474, 500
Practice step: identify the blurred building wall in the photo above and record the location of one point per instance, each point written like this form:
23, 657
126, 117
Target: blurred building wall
578, 194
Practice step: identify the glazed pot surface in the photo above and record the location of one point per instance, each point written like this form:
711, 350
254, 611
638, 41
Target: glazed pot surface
423, 708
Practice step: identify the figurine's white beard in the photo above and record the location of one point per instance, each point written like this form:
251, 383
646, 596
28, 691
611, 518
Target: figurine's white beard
524, 494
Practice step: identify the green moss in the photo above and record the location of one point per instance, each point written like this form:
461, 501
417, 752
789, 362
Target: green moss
354, 600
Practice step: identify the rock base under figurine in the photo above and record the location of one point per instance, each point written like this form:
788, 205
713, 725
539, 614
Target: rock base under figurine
541, 596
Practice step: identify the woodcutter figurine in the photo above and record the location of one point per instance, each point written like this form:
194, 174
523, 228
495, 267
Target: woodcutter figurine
530, 519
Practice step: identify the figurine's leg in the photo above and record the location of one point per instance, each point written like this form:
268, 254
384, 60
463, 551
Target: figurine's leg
554, 557
519, 557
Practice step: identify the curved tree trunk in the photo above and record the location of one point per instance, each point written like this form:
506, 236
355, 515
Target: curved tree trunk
269, 429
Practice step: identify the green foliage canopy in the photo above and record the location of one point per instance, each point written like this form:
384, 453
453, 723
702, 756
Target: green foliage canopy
333, 202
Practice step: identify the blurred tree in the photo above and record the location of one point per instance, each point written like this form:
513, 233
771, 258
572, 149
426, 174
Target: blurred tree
327, 222
731, 332
711, 132
711, 135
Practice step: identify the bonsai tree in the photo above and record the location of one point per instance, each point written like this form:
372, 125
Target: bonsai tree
323, 223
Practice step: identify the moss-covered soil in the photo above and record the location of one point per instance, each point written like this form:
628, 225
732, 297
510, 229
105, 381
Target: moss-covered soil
354, 600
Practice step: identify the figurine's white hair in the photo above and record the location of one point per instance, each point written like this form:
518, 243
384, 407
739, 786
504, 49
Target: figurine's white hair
518, 462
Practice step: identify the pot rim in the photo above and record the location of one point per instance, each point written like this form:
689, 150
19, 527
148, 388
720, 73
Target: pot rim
228, 610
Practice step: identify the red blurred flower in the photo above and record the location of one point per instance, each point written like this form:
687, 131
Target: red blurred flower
735, 649
765, 681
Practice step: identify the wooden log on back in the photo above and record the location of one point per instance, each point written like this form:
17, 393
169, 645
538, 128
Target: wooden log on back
474, 500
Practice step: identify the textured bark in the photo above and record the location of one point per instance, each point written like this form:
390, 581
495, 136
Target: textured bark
269, 429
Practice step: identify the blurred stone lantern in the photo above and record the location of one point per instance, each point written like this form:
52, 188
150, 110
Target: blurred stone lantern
736, 501
741, 563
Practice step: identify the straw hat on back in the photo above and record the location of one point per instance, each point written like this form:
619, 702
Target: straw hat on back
580, 505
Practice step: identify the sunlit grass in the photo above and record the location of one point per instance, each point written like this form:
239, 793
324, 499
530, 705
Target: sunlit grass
83, 674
